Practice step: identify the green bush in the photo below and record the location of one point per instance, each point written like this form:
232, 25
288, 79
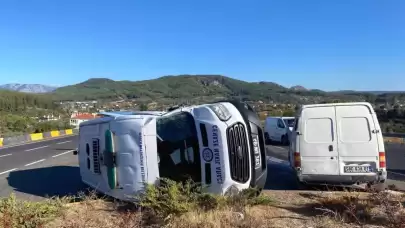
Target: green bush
174, 198
18, 213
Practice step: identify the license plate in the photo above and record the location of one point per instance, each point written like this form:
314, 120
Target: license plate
357, 169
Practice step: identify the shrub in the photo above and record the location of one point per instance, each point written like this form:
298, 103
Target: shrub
174, 198
18, 213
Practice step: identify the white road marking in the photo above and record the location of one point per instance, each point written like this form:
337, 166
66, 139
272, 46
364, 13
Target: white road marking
4, 155
273, 159
63, 142
69, 151
35, 162
10, 170
279, 147
36, 148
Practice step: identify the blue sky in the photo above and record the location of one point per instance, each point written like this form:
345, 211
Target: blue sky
325, 44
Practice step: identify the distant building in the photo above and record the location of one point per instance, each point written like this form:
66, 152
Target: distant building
78, 118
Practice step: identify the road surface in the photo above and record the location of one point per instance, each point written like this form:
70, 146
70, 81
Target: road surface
49, 168
41, 169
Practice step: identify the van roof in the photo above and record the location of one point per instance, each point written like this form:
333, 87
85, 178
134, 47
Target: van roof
119, 115
282, 117
337, 104
126, 113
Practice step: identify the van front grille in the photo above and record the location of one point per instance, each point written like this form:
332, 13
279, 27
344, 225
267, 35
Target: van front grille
238, 153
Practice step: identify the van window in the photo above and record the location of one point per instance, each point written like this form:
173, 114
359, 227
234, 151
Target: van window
280, 124
289, 122
354, 129
177, 127
178, 147
319, 130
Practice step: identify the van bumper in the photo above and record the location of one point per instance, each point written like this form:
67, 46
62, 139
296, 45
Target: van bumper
379, 177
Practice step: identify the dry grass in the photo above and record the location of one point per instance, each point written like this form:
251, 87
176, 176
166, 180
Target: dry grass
181, 206
394, 140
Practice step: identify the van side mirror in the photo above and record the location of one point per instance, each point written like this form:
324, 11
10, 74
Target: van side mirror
75, 152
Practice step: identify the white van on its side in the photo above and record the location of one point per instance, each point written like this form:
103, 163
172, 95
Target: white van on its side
220, 145
278, 129
338, 143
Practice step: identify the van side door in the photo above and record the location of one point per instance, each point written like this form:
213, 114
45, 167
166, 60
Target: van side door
318, 141
357, 141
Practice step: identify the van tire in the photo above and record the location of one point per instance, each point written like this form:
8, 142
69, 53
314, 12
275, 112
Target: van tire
302, 185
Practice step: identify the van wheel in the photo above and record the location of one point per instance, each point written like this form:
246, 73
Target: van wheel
284, 140
301, 185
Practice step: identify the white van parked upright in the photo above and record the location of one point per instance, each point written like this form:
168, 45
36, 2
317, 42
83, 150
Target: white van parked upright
278, 129
338, 143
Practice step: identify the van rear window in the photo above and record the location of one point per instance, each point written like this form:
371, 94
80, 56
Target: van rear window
354, 129
319, 130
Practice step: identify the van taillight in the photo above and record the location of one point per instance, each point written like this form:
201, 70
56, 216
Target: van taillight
297, 160
381, 158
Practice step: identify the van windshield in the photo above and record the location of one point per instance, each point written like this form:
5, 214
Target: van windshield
289, 122
178, 147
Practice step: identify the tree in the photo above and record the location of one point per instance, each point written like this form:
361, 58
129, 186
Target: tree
288, 112
143, 107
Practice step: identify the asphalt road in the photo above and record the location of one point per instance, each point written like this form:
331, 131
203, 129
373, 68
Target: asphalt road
41, 169
49, 168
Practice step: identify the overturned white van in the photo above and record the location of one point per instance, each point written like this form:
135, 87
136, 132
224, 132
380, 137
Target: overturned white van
338, 143
220, 145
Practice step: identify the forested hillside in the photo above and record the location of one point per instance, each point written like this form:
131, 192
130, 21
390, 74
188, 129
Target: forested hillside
22, 112
208, 87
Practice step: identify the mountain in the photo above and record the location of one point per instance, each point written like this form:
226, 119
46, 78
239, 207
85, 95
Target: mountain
28, 88
190, 88
298, 88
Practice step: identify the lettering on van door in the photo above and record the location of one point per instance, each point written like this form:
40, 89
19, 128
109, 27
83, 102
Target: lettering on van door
141, 158
217, 155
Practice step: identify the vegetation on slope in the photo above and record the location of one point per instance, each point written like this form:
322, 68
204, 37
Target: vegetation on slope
197, 86
179, 205
20, 113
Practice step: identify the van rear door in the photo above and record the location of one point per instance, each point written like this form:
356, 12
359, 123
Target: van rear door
358, 145
318, 143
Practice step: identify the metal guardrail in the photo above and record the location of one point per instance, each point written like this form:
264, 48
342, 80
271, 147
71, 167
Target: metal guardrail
7, 141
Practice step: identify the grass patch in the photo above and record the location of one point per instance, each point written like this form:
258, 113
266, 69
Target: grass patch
175, 204
357, 209
172, 198
18, 213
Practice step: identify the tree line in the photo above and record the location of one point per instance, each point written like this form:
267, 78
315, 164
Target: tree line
15, 102
20, 114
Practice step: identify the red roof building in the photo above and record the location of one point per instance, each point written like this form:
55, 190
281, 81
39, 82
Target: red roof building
76, 119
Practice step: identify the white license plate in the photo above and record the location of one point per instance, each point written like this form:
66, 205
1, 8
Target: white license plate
357, 169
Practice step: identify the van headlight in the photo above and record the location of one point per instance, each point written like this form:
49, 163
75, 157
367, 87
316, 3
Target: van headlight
221, 111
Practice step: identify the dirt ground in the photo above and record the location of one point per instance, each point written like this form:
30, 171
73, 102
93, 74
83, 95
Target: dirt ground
394, 140
290, 209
